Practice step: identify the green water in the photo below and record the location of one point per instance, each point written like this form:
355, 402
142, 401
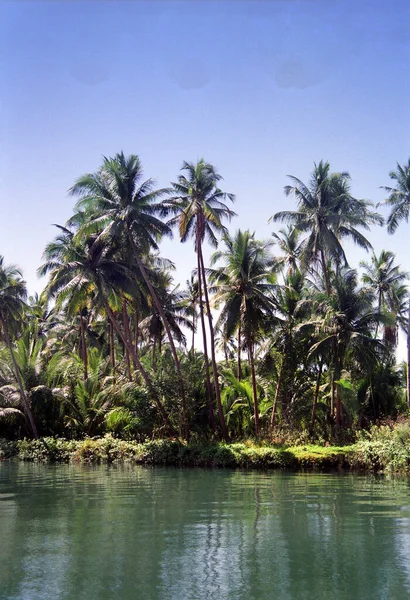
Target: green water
71, 532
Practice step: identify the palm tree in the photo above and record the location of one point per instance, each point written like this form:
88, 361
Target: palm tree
199, 208
399, 201
12, 296
385, 279
92, 268
399, 197
243, 288
288, 241
118, 205
327, 212
344, 327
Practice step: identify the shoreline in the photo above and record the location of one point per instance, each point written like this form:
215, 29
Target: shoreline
361, 457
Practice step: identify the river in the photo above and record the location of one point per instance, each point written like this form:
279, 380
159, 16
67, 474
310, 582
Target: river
76, 532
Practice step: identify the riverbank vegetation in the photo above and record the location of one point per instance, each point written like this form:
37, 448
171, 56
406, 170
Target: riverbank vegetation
294, 342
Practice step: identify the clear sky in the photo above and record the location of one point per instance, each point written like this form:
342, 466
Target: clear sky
260, 89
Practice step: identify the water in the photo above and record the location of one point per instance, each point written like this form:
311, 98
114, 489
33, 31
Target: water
72, 532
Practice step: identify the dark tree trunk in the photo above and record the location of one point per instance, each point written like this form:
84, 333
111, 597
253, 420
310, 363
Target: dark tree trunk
205, 343
23, 394
277, 392
254, 390
315, 399
213, 357
126, 325
112, 347
83, 347
239, 353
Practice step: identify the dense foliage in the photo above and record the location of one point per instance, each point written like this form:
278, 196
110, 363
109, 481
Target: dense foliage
294, 339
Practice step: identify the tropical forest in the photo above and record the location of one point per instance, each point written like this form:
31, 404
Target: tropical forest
271, 344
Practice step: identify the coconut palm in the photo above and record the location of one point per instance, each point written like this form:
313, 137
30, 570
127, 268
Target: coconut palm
386, 280
243, 290
288, 241
199, 208
118, 204
12, 296
399, 201
328, 213
344, 327
399, 196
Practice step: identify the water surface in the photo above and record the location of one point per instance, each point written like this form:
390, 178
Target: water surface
72, 532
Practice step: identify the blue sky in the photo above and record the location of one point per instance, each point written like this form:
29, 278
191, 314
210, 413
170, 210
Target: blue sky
260, 89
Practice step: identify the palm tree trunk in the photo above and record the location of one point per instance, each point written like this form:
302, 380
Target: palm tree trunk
315, 399
161, 312
278, 390
213, 357
23, 394
254, 390
83, 347
239, 353
126, 325
325, 273
408, 359
141, 369
112, 347
205, 344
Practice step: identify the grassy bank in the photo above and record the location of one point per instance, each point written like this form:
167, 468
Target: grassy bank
365, 455
385, 448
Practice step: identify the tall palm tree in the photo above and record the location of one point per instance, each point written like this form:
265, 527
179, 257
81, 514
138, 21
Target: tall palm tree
12, 296
327, 212
118, 204
243, 289
199, 208
399, 201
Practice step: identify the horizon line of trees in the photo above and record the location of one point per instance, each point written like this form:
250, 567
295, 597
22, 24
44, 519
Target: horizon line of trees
308, 343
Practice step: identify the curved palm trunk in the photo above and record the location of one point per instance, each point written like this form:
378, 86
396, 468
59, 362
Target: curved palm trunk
254, 390
23, 394
161, 312
141, 369
205, 344
212, 340
83, 347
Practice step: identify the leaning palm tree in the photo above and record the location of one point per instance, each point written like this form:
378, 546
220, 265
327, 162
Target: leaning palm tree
118, 204
12, 296
242, 289
328, 213
199, 208
399, 201
93, 269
